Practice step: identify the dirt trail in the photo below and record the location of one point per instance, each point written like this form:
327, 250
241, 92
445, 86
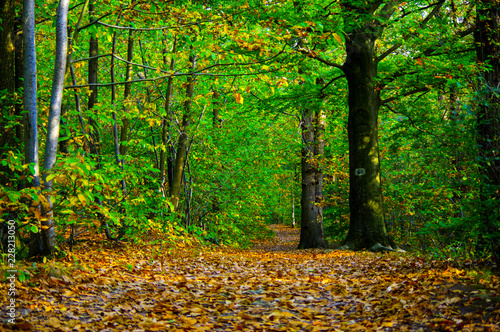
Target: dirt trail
272, 287
287, 239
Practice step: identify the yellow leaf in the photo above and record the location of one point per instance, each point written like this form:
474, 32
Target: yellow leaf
50, 177
246, 316
82, 199
239, 98
337, 37
189, 321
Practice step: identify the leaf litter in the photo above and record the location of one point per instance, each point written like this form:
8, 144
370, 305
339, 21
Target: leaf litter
272, 287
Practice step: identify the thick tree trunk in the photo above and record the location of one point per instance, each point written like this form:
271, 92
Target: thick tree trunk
311, 230
367, 225
487, 38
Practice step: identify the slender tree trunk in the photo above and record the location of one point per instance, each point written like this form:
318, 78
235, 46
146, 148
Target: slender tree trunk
30, 90
48, 233
19, 69
93, 68
181, 153
94, 132
7, 81
487, 38
127, 99
30, 107
148, 100
166, 158
115, 121
216, 119
7, 70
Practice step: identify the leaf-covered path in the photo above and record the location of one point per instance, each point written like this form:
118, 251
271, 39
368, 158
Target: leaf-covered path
270, 288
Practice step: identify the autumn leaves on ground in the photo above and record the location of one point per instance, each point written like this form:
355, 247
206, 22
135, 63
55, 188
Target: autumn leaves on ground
272, 287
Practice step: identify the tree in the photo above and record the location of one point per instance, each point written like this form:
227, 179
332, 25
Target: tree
364, 24
311, 227
45, 241
182, 142
7, 83
487, 38
367, 225
30, 107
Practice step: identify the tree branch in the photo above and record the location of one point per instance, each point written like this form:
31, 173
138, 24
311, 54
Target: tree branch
414, 125
385, 101
436, 9
311, 55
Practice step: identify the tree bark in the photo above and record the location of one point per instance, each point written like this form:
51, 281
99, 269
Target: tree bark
30, 91
166, 159
311, 230
216, 119
7, 81
367, 226
181, 153
30, 107
93, 68
487, 38
127, 100
19, 69
48, 233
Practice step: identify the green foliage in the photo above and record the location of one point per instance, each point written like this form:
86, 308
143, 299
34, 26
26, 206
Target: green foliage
242, 171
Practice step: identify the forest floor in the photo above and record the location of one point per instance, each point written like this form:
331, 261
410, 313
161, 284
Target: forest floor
272, 287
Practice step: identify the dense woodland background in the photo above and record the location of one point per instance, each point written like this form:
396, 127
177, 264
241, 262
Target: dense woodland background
216, 117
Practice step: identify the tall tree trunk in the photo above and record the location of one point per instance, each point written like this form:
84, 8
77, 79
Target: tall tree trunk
367, 226
93, 68
311, 229
7, 81
19, 69
48, 233
181, 153
487, 38
30, 90
30, 107
127, 99
165, 153
113, 101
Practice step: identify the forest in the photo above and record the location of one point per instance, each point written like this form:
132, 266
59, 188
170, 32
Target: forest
168, 128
